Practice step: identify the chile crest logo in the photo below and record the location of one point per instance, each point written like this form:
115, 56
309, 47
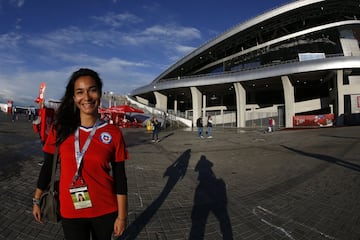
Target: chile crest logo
105, 137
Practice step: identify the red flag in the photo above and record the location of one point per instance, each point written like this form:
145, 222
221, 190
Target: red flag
40, 97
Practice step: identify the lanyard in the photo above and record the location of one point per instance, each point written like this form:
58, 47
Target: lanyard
79, 155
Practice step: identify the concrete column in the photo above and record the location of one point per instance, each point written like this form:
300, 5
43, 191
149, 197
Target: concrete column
289, 96
161, 101
204, 107
175, 106
340, 97
196, 102
240, 105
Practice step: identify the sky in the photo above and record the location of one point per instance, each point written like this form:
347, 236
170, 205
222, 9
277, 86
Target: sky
128, 42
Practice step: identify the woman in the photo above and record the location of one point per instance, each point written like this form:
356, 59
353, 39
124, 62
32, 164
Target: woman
156, 129
92, 155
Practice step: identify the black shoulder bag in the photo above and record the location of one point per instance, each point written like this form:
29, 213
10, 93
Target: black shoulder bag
49, 200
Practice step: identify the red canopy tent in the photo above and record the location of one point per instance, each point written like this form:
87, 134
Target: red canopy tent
103, 110
120, 109
125, 109
118, 112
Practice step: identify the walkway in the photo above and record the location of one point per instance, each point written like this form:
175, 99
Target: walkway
300, 184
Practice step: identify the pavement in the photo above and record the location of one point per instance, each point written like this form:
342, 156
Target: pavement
241, 184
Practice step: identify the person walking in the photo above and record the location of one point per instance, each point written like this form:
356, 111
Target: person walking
271, 126
155, 129
209, 126
92, 154
199, 125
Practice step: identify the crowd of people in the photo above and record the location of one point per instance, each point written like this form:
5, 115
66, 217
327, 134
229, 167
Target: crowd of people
29, 112
121, 120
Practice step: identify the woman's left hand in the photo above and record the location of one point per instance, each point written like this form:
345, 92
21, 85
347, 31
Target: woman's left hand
119, 226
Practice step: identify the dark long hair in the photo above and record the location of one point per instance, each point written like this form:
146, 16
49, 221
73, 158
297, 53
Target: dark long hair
67, 118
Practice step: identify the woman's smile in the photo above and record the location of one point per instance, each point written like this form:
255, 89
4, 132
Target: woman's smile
86, 95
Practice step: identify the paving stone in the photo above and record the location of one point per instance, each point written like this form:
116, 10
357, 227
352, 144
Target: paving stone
289, 183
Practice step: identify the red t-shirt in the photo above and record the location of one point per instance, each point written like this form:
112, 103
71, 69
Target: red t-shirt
107, 145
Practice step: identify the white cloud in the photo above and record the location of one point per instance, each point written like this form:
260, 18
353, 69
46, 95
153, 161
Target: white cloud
169, 38
10, 40
137, 39
174, 32
184, 50
17, 3
117, 54
116, 20
164, 37
118, 76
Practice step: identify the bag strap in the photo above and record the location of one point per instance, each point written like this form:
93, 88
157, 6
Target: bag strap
53, 173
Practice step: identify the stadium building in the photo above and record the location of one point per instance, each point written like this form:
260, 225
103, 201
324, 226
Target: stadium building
298, 63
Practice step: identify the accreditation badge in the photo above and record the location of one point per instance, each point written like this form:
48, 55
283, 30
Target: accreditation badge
80, 197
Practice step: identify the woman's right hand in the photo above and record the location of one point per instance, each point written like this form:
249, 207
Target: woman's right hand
37, 213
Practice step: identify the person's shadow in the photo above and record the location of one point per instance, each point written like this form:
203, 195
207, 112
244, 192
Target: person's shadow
210, 196
175, 172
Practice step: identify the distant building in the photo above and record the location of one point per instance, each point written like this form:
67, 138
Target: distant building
299, 59
4, 107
